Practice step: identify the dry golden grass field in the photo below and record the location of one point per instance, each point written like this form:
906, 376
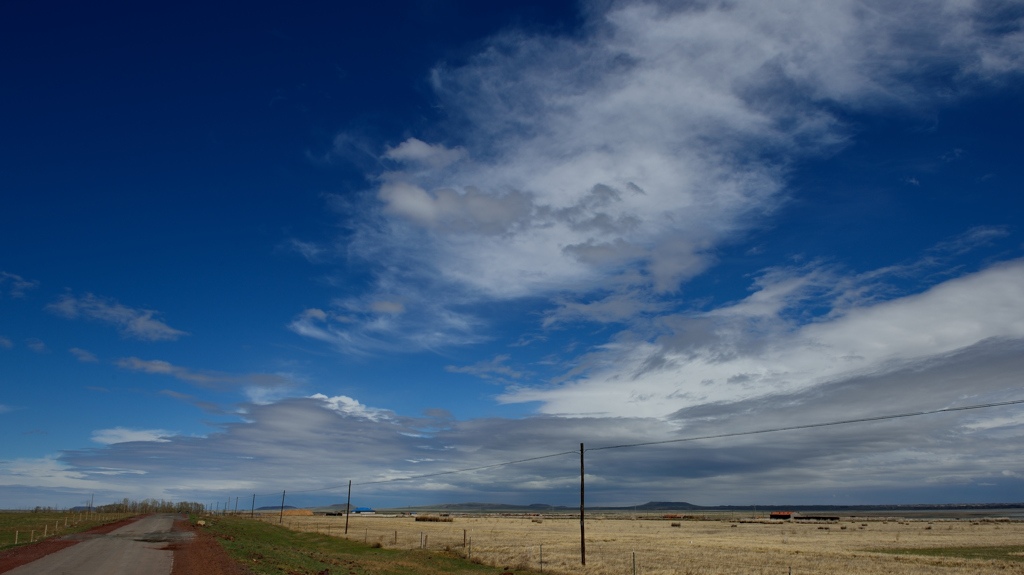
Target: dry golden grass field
711, 547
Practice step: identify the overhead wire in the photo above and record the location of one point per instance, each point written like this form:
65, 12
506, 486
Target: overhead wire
666, 441
812, 425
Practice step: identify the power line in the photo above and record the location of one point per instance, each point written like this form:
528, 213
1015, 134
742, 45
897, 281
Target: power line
811, 425
680, 440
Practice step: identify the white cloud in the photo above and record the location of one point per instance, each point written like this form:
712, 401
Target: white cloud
5, 343
16, 285
5, 409
750, 349
43, 472
419, 152
348, 406
134, 323
616, 161
83, 355
124, 435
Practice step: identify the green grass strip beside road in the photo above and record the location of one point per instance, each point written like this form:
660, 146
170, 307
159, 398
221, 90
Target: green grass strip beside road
1014, 553
271, 549
25, 523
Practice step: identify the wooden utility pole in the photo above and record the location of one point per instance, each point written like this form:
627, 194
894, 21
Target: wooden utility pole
281, 518
252, 514
583, 533
348, 505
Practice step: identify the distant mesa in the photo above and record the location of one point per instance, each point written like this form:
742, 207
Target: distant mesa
274, 507
475, 507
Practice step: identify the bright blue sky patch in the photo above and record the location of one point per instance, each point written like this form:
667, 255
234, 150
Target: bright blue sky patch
249, 250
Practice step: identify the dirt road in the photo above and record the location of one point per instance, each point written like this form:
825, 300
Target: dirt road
139, 548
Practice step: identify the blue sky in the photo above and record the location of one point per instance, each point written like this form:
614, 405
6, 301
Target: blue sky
253, 249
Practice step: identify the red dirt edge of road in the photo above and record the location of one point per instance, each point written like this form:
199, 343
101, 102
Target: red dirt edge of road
202, 555
23, 555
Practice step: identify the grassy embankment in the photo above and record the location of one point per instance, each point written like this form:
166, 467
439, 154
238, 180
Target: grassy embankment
36, 526
270, 549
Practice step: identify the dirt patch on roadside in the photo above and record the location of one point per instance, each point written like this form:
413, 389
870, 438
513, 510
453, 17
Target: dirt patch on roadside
202, 555
23, 555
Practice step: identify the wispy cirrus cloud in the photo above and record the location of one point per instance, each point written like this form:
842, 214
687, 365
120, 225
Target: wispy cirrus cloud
134, 323
496, 369
36, 345
15, 285
83, 355
766, 344
125, 435
259, 387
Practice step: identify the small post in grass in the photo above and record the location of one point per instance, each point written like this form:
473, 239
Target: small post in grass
252, 512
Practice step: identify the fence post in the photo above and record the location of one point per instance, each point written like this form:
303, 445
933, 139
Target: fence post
634, 562
541, 557
252, 512
15, 537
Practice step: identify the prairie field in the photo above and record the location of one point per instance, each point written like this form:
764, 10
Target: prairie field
712, 546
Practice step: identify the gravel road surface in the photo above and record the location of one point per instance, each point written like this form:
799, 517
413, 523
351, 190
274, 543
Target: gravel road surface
139, 548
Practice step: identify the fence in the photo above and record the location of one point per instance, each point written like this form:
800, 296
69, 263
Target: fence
19, 528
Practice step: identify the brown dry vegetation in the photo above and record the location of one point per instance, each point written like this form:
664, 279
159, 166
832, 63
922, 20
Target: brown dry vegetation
709, 547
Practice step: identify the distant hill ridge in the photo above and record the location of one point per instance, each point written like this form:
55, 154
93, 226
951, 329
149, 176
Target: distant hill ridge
684, 506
